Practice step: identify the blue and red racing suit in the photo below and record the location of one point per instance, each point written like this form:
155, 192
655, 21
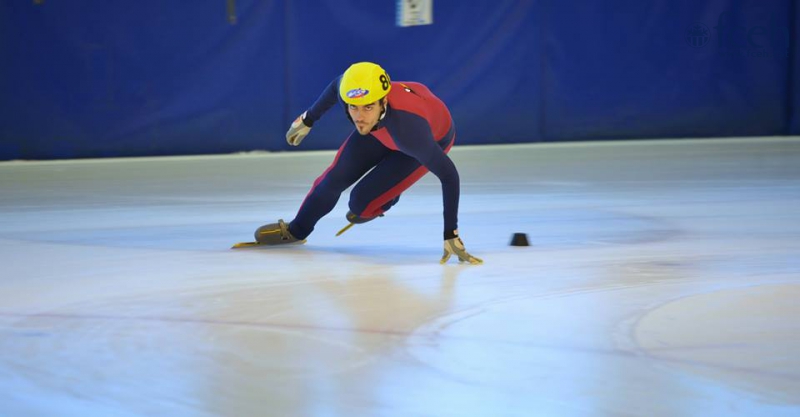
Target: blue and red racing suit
413, 137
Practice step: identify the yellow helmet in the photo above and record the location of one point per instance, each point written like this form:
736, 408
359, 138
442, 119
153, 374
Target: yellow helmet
364, 83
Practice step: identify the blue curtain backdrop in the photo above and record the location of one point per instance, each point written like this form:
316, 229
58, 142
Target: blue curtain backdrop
99, 79
793, 82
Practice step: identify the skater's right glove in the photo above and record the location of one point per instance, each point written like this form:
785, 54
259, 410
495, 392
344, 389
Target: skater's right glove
298, 131
456, 247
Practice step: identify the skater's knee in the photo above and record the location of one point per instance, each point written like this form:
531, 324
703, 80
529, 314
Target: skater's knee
366, 207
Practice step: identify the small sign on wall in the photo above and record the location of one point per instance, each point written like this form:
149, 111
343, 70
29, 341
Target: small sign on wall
414, 12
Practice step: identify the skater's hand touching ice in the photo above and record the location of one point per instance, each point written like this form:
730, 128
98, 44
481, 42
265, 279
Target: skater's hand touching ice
456, 247
298, 131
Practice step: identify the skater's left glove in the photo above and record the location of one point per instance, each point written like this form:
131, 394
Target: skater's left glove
456, 247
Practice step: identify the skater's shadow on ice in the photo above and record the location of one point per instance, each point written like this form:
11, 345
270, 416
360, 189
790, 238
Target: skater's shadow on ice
378, 254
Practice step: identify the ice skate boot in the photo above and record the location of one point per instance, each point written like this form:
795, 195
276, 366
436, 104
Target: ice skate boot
355, 219
276, 234
272, 234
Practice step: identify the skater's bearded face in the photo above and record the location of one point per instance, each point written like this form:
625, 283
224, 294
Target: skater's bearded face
367, 116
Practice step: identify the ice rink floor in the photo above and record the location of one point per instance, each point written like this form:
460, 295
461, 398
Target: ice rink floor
663, 279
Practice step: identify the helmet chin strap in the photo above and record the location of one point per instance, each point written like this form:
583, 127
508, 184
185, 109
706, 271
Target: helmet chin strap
385, 105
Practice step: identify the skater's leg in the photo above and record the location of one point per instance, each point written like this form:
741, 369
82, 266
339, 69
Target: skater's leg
379, 190
357, 155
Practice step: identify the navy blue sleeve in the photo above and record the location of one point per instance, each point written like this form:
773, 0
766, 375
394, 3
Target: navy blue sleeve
326, 100
413, 137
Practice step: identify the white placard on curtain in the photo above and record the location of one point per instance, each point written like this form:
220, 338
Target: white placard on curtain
414, 12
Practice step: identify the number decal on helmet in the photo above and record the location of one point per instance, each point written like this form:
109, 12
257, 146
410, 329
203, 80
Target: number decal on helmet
384, 82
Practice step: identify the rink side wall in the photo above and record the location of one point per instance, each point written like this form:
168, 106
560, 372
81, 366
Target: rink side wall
86, 79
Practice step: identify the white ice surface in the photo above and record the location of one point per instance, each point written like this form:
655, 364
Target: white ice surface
662, 279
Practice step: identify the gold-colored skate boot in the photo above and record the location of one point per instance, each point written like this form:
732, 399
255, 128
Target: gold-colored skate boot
276, 234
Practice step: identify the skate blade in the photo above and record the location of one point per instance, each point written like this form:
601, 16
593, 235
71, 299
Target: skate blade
242, 245
344, 229
245, 245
